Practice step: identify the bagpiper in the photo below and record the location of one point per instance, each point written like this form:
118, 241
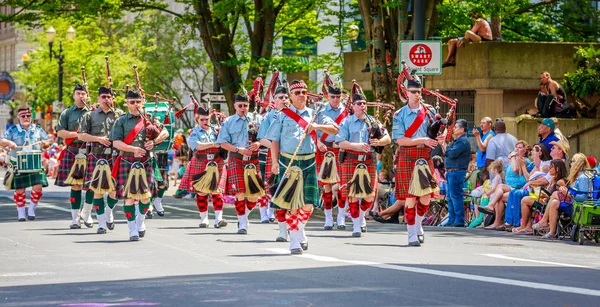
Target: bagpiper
72, 160
203, 174
94, 129
134, 136
25, 162
243, 176
414, 181
328, 153
281, 99
358, 162
294, 152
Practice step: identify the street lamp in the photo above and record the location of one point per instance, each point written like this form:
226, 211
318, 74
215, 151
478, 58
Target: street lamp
50, 36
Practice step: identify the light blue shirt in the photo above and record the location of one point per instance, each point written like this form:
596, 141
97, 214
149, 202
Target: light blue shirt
284, 126
404, 118
581, 185
235, 130
266, 123
355, 130
19, 136
199, 136
333, 114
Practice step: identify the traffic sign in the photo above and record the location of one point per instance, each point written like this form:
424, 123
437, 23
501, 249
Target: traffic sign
212, 97
424, 57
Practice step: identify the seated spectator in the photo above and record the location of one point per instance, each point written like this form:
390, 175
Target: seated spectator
481, 31
559, 150
558, 178
553, 101
562, 198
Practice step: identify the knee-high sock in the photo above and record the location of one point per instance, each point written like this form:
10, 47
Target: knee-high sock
250, 205
327, 200
35, 197
263, 201
341, 203
292, 221
75, 199
409, 215
341, 216
19, 199
161, 192
365, 205
141, 217
89, 197
240, 207
304, 215
217, 200
421, 211
354, 209
280, 213
99, 207
130, 216
110, 205
202, 203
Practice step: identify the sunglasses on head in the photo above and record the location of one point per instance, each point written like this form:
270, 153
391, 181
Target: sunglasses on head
298, 93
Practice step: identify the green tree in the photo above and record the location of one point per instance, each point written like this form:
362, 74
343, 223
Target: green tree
584, 83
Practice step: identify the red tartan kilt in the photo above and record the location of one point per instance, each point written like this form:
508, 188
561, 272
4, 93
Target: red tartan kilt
123, 173
235, 175
405, 166
347, 170
64, 167
91, 165
194, 168
321, 157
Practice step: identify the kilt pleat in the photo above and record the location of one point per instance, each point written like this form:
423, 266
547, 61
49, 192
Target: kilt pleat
26, 180
235, 175
405, 163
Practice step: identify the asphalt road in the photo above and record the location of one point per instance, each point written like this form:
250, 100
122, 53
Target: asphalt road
44, 263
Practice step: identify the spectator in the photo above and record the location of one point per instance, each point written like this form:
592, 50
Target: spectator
592, 161
178, 138
553, 101
481, 31
52, 164
546, 132
457, 162
483, 139
2, 157
559, 150
501, 145
561, 198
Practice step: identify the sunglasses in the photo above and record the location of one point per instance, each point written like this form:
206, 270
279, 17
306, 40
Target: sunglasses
134, 101
203, 119
243, 105
359, 103
415, 92
24, 116
298, 93
335, 96
282, 97
105, 96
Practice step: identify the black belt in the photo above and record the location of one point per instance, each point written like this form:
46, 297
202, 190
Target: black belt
455, 169
239, 156
209, 157
328, 144
97, 149
75, 148
131, 154
365, 157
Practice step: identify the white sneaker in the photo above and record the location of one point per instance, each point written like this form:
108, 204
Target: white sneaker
31, 211
21, 214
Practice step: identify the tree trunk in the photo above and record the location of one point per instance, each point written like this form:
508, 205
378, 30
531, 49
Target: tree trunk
431, 16
496, 24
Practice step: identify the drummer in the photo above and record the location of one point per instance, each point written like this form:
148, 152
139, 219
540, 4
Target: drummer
26, 133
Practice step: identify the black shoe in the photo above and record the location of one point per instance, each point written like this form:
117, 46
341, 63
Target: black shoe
271, 220
328, 227
304, 246
242, 231
421, 238
142, 233
149, 215
415, 243
22, 219
73, 226
363, 229
459, 225
221, 223
356, 234
486, 210
31, 218
101, 231
341, 227
134, 238
448, 64
203, 225
160, 213
296, 251
110, 226
88, 225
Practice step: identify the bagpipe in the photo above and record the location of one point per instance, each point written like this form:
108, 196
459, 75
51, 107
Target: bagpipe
437, 124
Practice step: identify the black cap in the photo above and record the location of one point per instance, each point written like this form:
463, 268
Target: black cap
357, 97
104, 90
334, 90
133, 95
281, 90
202, 111
414, 84
241, 98
79, 87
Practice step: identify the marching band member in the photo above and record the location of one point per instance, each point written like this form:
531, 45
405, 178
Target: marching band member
134, 137
28, 135
281, 101
285, 134
336, 111
243, 176
413, 156
358, 167
68, 124
95, 129
204, 169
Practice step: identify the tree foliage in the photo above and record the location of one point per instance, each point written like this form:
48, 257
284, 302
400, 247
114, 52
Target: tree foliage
584, 83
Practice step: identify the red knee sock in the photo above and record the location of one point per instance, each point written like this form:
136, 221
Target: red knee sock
36, 196
263, 201
304, 215
292, 221
421, 209
341, 203
217, 200
327, 200
240, 207
19, 199
365, 205
202, 202
250, 205
280, 215
354, 209
409, 215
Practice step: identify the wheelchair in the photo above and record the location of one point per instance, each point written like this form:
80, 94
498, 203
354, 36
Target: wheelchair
586, 215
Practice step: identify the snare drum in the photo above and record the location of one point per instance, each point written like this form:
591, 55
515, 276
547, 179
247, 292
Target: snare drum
29, 161
161, 112
162, 159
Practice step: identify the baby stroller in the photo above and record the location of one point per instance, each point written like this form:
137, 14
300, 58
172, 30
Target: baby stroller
586, 214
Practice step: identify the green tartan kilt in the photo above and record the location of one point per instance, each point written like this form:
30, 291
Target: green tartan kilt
309, 174
26, 180
159, 176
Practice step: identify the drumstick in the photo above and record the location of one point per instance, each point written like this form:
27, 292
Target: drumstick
23, 146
